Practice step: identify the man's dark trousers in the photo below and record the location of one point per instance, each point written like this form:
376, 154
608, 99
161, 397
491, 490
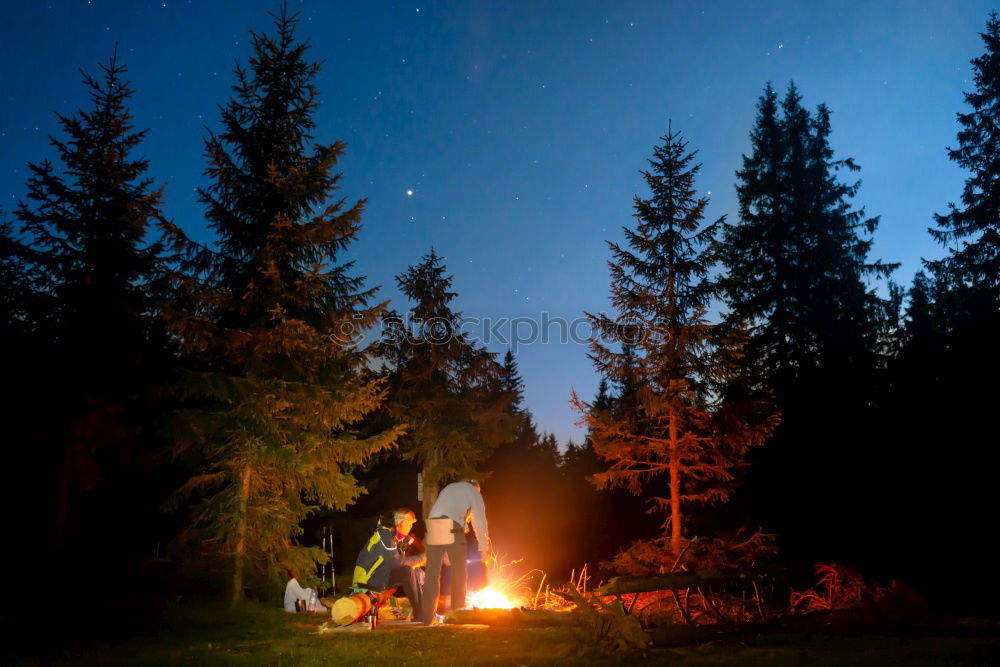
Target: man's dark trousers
410, 579
435, 561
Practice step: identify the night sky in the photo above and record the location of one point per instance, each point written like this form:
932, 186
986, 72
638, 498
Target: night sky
508, 135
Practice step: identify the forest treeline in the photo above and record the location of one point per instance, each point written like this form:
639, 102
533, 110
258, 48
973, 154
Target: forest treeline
182, 415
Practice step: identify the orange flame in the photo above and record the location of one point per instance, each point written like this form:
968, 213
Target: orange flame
490, 598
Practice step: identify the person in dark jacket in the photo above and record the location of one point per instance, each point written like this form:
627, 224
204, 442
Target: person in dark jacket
383, 562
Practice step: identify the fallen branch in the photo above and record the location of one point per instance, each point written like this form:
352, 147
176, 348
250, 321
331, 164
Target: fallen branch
682, 609
672, 581
712, 606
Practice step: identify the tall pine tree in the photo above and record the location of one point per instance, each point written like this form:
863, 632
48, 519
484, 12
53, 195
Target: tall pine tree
971, 231
92, 270
798, 278
676, 425
797, 257
275, 395
449, 390
951, 354
512, 453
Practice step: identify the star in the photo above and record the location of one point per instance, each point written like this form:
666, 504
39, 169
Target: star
409, 193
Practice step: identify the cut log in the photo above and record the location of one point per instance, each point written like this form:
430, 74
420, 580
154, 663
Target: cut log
673, 581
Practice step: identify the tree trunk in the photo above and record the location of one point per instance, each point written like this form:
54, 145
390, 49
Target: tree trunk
675, 489
239, 555
678, 580
430, 490
675, 473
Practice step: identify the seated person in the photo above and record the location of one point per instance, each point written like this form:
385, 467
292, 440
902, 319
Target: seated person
294, 592
383, 563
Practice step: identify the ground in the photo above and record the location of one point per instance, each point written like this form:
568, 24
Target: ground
256, 635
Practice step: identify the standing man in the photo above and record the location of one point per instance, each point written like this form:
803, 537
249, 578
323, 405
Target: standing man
456, 506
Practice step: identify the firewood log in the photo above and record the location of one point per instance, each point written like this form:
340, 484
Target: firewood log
678, 580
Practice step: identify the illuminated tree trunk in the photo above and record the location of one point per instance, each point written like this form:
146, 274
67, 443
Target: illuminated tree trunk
675, 489
683, 418
239, 554
675, 455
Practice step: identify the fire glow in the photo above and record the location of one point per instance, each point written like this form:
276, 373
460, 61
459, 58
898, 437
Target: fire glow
489, 598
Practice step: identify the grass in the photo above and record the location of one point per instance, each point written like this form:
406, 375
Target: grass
255, 635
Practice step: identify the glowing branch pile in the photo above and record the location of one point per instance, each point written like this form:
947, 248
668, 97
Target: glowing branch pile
503, 591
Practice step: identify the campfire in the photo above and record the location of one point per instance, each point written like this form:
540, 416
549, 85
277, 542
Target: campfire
490, 598
504, 591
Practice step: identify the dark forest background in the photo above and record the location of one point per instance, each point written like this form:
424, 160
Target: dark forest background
185, 420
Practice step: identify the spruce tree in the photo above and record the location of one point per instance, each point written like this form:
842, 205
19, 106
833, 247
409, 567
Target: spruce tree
448, 389
675, 424
797, 257
522, 449
919, 373
953, 328
511, 382
268, 321
92, 269
512, 386
798, 278
922, 326
971, 230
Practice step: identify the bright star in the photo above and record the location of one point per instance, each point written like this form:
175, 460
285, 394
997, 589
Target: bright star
409, 193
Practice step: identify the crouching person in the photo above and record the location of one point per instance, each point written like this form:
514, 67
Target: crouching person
383, 562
